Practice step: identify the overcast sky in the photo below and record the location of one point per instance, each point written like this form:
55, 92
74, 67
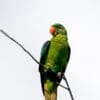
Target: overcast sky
28, 21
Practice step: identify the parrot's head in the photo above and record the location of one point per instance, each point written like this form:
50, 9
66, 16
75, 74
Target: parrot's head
56, 29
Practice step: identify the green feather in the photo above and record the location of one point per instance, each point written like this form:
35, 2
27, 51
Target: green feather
55, 56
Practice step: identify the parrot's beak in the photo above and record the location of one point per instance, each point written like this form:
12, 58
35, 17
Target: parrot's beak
53, 31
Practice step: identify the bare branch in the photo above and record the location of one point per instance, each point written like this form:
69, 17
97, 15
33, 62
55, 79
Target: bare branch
70, 92
20, 46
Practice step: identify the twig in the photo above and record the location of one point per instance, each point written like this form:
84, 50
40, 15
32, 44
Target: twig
3, 32
70, 92
61, 85
20, 46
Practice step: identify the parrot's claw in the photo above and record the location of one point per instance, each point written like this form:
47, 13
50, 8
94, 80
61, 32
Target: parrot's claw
46, 70
54, 76
59, 75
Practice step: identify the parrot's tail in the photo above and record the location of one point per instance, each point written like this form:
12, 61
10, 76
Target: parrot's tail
52, 95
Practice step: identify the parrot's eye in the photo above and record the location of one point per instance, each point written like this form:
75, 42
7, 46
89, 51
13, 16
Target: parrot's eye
53, 31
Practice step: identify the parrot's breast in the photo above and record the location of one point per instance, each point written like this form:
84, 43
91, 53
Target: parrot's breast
56, 59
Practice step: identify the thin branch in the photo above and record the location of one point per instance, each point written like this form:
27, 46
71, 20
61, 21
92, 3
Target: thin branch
4, 33
61, 85
70, 92
20, 46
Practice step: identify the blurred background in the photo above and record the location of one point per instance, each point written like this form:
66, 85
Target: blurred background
28, 21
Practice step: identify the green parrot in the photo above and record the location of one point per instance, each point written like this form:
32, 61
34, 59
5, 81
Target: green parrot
55, 55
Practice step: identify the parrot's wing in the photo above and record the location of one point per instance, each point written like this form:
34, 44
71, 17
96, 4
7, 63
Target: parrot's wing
67, 56
68, 53
67, 60
44, 52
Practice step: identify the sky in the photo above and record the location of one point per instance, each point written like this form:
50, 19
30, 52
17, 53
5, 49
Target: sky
28, 21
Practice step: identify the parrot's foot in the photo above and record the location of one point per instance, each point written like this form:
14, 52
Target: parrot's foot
50, 74
53, 76
60, 75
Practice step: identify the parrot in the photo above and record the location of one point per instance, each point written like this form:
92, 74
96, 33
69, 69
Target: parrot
54, 58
